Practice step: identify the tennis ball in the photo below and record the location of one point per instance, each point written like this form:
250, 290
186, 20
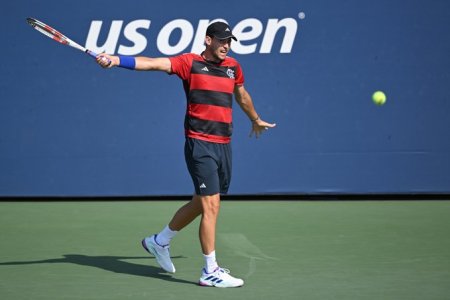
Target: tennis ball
379, 98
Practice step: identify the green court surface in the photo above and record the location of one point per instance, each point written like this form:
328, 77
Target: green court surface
283, 250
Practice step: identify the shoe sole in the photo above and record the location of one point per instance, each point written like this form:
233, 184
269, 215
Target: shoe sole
200, 283
153, 252
204, 284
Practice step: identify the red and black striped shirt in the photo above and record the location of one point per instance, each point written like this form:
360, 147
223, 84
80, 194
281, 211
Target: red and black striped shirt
209, 91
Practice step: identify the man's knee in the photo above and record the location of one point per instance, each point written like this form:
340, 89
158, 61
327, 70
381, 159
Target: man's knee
210, 204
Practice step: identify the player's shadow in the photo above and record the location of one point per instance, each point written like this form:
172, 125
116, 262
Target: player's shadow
114, 264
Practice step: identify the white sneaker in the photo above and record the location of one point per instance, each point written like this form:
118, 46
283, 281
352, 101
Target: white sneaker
161, 253
219, 278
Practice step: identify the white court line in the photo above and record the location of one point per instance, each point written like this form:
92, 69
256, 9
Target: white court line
241, 246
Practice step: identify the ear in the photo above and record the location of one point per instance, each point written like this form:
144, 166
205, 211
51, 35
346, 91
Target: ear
208, 40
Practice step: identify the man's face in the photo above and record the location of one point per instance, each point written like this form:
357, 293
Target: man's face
219, 48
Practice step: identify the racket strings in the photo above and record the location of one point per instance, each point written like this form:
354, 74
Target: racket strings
48, 31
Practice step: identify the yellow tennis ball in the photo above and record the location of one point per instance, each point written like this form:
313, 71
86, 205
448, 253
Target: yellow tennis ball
379, 98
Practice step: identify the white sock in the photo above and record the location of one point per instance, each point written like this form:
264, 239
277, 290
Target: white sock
210, 262
165, 236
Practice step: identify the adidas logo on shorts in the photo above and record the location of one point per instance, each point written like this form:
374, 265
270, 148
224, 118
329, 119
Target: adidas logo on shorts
203, 186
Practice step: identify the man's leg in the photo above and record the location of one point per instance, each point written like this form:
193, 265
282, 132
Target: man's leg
208, 206
186, 214
158, 244
212, 274
207, 231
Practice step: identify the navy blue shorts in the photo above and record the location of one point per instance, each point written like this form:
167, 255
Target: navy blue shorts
209, 165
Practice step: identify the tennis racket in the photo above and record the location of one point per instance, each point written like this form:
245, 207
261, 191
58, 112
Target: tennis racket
58, 36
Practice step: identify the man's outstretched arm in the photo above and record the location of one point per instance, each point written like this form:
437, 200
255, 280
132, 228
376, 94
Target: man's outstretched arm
139, 63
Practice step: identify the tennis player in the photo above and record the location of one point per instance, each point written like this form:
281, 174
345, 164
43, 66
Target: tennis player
210, 80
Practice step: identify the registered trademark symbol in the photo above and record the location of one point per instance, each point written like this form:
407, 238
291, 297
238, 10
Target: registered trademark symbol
301, 15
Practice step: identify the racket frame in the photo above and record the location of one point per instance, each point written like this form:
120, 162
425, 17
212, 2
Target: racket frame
57, 36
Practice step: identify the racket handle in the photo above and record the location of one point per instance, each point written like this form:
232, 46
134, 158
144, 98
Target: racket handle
91, 53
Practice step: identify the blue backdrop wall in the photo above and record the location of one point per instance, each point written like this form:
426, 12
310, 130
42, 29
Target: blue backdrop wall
70, 128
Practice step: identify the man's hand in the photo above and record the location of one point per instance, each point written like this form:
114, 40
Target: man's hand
107, 61
259, 126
